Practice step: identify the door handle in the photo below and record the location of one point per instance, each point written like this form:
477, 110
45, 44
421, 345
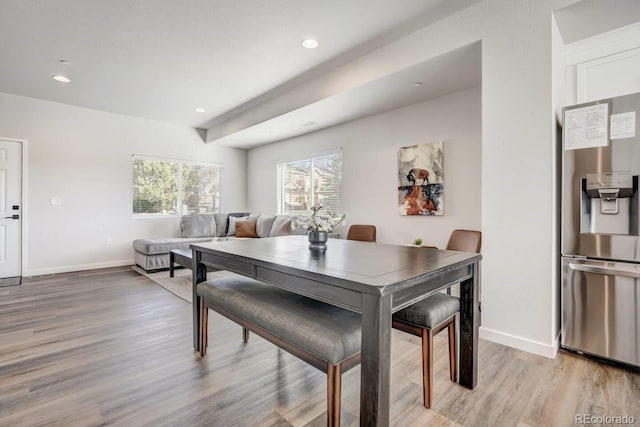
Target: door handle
604, 270
12, 217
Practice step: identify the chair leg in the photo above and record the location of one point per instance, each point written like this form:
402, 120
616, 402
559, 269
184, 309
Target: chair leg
453, 353
334, 386
204, 322
427, 366
245, 335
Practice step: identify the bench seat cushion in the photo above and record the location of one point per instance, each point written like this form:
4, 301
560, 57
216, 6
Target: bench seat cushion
164, 245
429, 312
328, 332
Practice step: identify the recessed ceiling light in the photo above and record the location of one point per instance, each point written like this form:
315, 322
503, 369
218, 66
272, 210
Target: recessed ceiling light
200, 110
60, 78
64, 62
310, 43
417, 84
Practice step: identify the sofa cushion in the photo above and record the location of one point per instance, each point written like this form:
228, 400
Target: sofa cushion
246, 228
286, 230
225, 217
264, 225
221, 221
164, 245
198, 225
278, 223
231, 229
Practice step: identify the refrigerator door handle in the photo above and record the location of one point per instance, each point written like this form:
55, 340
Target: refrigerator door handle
599, 269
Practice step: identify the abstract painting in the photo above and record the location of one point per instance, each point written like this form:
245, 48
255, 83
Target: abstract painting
420, 179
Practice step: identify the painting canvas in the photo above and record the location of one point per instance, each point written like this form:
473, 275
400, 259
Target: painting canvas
420, 179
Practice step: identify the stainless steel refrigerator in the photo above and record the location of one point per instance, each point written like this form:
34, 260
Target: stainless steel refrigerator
600, 222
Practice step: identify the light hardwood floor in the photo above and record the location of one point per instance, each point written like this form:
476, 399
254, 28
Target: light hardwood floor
110, 347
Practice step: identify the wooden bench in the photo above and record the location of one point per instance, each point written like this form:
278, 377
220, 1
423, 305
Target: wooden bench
322, 335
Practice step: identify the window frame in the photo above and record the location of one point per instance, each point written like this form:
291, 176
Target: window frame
180, 163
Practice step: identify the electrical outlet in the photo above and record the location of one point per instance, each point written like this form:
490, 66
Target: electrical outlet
107, 240
56, 201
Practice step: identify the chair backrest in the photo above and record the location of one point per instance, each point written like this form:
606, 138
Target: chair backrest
465, 241
362, 232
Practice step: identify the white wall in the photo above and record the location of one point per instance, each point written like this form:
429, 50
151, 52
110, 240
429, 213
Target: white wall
370, 166
517, 197
558, 92
84, 157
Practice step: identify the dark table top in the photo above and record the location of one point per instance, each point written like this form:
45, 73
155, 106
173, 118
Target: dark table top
379, 266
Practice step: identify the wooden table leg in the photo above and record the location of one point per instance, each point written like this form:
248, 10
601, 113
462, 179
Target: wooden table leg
375, 360
469, 326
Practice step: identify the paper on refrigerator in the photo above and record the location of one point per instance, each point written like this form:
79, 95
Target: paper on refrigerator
623, 125
586, 127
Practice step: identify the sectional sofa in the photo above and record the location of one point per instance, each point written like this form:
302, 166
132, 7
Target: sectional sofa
153, 254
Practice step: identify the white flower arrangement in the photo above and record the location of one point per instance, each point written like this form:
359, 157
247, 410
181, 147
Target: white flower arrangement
318, 221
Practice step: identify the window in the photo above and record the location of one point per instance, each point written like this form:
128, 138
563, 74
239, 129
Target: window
310, 182
174, 187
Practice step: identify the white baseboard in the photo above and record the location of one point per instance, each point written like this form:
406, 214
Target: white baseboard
556, 344
524, 344
81, 267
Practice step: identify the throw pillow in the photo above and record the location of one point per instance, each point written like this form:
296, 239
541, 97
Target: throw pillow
264, 225
221, 224
246, 228
231, 231
278, 223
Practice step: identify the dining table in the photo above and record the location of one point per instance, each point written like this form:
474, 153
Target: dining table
373, 279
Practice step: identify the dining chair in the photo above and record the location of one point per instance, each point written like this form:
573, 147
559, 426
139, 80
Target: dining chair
430, 316
465, 241
362, 232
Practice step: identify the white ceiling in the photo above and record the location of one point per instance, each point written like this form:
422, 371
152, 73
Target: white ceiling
451, 72
161, 59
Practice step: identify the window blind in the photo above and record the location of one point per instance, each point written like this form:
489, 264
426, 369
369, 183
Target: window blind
174, 187
310, 182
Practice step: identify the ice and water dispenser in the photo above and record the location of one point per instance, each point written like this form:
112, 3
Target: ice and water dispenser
609, 203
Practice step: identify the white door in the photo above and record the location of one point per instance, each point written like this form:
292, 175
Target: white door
10, 212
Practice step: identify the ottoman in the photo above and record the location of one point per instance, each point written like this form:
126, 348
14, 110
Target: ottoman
153, 254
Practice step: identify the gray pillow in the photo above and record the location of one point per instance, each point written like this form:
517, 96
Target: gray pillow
278, 223
221, 224
231, 231
264, 225
198, 225
239, 214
